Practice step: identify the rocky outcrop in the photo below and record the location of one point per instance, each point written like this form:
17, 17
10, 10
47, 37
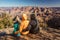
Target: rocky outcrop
7, 30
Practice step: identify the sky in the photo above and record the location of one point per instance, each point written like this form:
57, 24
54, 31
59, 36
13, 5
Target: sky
18, 3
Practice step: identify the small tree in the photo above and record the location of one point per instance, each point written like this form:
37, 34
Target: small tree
54, 22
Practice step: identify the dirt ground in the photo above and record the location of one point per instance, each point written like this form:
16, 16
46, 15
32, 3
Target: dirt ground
44, 34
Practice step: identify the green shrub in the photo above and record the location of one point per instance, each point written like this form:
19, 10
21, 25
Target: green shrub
5, 21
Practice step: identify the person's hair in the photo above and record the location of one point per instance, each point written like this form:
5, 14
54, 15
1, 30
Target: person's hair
32, 16
15, 18
24, 16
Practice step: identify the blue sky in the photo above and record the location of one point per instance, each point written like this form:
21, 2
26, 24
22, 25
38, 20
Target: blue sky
18, 3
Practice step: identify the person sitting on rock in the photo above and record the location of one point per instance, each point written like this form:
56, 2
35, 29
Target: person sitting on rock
24, 27
16, 26
34, 24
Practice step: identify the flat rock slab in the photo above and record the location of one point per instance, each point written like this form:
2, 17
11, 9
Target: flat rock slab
45, 34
